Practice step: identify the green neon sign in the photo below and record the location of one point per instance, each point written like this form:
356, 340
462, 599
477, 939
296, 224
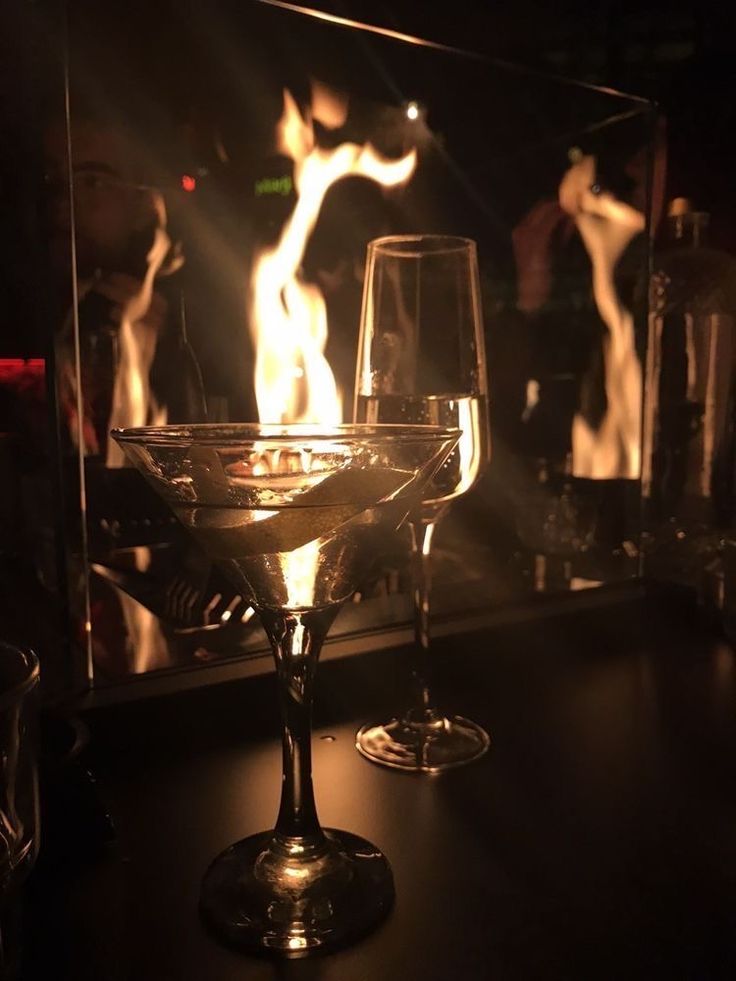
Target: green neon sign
283, 186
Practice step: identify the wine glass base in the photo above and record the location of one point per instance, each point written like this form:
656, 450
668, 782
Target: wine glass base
301, 909
423, 747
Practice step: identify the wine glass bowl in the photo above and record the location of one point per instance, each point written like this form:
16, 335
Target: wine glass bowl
421, 352
421, 359
291, 513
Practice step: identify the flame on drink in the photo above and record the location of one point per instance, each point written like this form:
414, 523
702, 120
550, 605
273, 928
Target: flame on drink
288, 316
607, 226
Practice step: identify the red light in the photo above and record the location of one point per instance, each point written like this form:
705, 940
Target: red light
188, 182
18, 370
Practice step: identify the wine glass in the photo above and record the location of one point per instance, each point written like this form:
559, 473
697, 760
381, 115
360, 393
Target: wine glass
294, 516
421, 359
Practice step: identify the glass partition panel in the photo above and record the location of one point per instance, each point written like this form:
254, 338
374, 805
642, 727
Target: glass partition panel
230, 163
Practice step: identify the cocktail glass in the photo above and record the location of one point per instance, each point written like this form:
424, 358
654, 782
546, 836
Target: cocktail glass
293, 514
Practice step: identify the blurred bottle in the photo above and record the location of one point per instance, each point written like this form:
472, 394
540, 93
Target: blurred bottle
555, 524
99, 356
689, 432
176, 378
184, 388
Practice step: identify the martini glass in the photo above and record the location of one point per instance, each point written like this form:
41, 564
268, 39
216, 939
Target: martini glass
293, 514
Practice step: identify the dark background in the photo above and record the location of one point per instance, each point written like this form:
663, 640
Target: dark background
679, 54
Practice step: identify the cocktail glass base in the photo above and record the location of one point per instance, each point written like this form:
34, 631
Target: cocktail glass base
428, 746
269, 895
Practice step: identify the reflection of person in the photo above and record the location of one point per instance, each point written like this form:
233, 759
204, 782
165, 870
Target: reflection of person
109, 239
111, 207
120, 253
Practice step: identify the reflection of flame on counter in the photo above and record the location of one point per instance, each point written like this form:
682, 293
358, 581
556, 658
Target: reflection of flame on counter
607, 226
293, 381
145, 640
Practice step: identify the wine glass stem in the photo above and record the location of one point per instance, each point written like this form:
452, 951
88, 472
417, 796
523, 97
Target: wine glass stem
296, 640
422, 531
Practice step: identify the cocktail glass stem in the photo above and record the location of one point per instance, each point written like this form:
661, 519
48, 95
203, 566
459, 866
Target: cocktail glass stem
296, 640
297, 888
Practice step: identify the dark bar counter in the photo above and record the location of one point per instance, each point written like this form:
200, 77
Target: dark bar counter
596, 840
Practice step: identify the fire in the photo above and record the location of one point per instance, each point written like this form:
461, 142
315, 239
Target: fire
288, 316
133, 403
607, 226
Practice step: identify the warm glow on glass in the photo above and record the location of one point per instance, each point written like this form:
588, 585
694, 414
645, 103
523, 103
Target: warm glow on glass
296, 872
